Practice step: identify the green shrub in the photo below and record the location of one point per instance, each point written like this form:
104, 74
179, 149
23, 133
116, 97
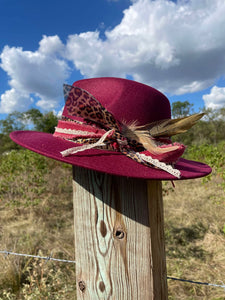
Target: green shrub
24, 177
213, 155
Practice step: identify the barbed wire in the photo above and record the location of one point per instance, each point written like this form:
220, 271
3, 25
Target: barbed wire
37, 256
197, 282
48, 258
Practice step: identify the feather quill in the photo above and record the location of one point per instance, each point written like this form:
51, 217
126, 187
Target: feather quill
133, 132
163, 128
170, 127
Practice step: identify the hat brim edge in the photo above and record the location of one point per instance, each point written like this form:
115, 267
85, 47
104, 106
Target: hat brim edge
105, 161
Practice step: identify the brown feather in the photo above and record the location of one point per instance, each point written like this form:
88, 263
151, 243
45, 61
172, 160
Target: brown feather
143, 137
164, 128
170, 127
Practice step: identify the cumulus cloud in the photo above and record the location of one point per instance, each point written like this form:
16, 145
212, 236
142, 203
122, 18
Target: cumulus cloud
40, 73
216, 98
14, 100
51, 45
177, 47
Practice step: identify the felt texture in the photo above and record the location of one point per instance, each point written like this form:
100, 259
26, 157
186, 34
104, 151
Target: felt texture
109, 162
128, 101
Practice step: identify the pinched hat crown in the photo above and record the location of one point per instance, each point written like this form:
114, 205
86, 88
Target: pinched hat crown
127, 100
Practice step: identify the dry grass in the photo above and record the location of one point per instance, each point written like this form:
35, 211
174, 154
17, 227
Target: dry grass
42, 228
194, 230
195, 238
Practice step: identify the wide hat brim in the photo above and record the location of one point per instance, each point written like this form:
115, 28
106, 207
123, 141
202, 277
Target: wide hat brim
109, 162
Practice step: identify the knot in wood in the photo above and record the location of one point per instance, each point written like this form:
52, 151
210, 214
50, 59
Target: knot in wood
82, 286
102, 286
103, 228
119, 233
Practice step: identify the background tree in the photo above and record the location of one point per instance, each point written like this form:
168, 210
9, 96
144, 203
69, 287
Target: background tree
32, 119
208, 130
214, 125
41, 122
12, 122
181, 109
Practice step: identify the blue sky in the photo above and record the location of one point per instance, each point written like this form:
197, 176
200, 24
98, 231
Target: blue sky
176, 47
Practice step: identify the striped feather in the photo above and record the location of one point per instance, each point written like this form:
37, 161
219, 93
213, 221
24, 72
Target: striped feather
170, 127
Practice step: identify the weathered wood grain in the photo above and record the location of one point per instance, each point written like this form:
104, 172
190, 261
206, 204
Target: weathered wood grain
119, 256
158, 255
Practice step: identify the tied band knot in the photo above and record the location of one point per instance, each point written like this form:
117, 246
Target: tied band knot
99, 143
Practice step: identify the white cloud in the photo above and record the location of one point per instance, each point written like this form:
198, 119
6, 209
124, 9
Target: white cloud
41, 73
177, 47
216, 98
51, 45
59, 113
14, 100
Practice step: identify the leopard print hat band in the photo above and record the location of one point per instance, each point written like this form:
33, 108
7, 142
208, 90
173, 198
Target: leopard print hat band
92, 126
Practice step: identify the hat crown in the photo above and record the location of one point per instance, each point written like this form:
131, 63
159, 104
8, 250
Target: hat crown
127, 100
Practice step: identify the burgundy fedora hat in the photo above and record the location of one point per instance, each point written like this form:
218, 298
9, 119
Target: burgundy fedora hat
105, 127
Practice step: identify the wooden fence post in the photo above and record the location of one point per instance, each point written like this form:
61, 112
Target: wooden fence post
119, 237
